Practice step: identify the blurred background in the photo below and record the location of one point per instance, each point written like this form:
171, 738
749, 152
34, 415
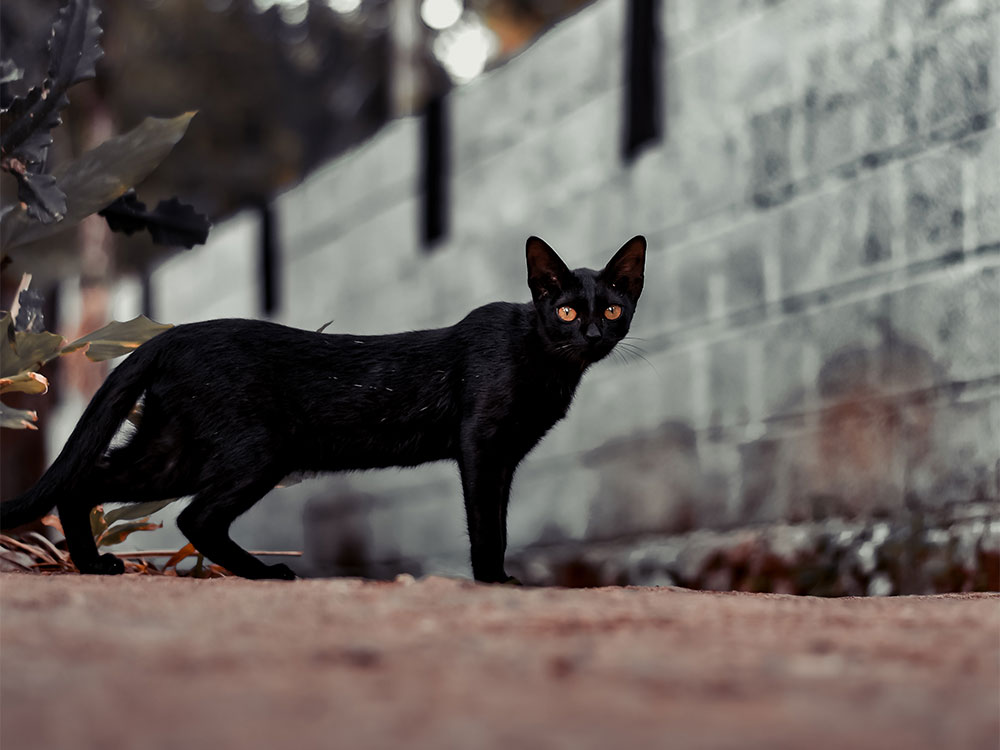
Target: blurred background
817, 404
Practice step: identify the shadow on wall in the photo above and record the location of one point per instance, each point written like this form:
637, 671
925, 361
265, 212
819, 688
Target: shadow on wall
871, 442
873, 467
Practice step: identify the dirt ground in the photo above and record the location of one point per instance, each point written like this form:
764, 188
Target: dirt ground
151, 662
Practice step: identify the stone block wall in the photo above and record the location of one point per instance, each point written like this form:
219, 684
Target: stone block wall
816, 365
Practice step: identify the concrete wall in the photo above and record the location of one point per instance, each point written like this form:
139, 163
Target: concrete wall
819, 327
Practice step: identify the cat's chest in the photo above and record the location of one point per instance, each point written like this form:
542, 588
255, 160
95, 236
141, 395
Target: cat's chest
540, 402
516, 395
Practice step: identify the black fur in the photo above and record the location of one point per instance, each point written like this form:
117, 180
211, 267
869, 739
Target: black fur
230, 407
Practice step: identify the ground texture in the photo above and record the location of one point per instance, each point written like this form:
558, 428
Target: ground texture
154, 662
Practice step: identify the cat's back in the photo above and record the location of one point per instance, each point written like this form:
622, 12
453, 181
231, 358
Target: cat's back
228, 351
489, 323
490, 336
236, 330
236, 340
497, 324
262, 351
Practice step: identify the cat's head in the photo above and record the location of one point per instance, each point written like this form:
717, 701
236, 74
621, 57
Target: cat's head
583, 314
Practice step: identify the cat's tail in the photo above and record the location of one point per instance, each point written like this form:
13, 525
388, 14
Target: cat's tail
90, 438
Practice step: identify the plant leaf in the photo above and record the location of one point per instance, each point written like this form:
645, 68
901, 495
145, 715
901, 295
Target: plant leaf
19, 544
138, 510
16, 561
9, 72
117, 339
41, 196
25, 382
53, 522
100, 176
29, 311
172, 223
54, 553
117, 534
25, 125
17, 419
28, 352
97, 524
74, 49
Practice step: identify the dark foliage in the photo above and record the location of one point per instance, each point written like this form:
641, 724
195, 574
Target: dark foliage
26, 124
96, 181
29, 313
170, 223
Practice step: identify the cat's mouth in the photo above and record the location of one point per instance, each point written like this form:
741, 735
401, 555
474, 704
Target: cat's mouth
584, 353
594, 351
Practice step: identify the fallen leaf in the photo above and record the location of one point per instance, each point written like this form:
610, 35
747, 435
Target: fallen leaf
120, 531
186, 551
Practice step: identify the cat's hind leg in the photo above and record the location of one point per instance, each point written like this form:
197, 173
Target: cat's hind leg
105, 484
206, 521
144, 470
74, 516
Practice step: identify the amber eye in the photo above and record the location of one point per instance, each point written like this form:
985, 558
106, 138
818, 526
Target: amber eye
566, 313
613, 312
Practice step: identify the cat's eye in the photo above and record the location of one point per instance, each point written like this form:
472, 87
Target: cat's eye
613, 312
566, 313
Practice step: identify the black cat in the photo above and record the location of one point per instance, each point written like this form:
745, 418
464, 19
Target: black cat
230, 407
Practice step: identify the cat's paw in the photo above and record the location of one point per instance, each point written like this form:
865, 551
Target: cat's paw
105, 565
281, 572
511, 581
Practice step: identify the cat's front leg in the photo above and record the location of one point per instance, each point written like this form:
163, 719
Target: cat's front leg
486, 487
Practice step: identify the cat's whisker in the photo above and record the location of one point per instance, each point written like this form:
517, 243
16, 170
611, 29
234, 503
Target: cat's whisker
632, 349
565, 350
630, 352
629, 340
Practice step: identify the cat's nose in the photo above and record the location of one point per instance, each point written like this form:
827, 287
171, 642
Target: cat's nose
592, 334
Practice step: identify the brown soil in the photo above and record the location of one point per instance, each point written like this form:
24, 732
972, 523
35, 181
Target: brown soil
152, 662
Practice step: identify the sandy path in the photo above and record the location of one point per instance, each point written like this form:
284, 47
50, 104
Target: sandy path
146, 662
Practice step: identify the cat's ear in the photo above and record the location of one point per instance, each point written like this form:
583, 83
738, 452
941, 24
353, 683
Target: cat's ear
624, 271
546, 270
